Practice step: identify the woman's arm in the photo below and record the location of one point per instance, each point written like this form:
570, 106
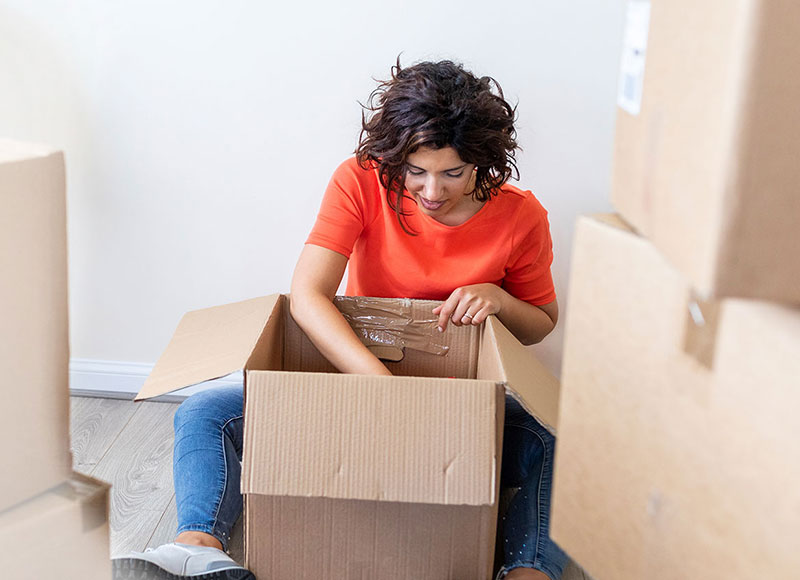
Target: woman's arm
316, 279
473, 304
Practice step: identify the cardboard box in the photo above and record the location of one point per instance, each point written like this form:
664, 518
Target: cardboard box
34, 350
679, 449
62, 533
708, 169
354, 476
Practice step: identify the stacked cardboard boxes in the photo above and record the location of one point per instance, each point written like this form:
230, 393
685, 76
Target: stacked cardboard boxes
679, 452
350, 476
52, 522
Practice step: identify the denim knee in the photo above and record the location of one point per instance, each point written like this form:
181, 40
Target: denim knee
206, 405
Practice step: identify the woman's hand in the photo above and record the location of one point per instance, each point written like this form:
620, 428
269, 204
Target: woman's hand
473, 304
469, 305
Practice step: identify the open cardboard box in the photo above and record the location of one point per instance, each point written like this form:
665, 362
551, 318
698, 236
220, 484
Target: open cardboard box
679, 444
353, 476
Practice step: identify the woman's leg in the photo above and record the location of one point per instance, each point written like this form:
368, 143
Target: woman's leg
528, 450
208, 448
206, 464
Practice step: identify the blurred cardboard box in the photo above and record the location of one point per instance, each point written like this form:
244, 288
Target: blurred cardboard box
354, 476
679, 449
34, 349
62, 533
707, 141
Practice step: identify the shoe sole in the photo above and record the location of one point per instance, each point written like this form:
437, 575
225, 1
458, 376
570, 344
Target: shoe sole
135, 569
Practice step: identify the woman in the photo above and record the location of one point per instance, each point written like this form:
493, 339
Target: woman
422, 211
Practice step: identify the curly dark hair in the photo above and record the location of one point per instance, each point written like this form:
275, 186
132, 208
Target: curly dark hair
437, 105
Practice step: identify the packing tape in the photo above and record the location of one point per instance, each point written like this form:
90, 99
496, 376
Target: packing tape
390, 324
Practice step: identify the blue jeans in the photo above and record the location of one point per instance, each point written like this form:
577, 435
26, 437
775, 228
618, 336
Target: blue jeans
528, 450
207, 471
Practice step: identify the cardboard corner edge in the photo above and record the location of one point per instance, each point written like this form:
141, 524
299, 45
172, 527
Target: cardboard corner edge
158, 383
527, 380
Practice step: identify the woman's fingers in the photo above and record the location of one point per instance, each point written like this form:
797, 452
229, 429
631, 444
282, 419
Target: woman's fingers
481, 315
466, 305
446, 311
458, 311
461, 314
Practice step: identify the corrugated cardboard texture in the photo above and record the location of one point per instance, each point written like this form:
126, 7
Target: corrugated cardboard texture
313, 538
402, 439
528, 380
210, 343
268, 352
708, 171
665, 468
34, 338
62, 533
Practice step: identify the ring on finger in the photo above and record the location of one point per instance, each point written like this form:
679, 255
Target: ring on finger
468, 315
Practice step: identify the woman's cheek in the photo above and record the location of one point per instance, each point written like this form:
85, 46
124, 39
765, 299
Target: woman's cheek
414, 186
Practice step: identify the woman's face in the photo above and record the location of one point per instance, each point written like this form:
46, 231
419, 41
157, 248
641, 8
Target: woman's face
440, 181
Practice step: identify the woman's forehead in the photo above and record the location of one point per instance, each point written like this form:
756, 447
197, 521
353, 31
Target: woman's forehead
435, 159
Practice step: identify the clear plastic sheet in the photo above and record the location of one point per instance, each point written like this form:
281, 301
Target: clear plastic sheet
390, 323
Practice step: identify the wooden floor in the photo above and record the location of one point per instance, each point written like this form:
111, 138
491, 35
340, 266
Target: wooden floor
130, 446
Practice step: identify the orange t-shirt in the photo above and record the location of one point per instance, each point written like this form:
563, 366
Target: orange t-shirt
506, 243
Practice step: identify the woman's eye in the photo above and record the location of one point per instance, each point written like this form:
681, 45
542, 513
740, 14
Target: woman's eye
416, 171
459, 174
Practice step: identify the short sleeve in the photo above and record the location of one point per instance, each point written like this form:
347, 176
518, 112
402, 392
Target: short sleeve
341, 217
528, 275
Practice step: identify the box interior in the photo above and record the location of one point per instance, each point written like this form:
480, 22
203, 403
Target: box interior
283, 346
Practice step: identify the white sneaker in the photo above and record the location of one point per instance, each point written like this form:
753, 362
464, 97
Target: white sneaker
178, 561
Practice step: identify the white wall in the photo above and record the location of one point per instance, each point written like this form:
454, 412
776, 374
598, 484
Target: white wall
200, 135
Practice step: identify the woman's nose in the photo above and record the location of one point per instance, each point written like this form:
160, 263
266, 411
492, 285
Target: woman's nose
432, 189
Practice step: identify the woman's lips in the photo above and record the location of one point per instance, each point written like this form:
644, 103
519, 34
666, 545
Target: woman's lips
430, 205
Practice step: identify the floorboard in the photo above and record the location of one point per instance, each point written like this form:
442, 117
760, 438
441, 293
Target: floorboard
164, 531
138, 464
94, 425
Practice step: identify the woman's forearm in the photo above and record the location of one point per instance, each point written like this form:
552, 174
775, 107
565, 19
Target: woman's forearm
322, 322
316, 278
528, 323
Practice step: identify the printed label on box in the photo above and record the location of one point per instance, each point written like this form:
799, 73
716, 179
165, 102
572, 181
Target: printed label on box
634, 50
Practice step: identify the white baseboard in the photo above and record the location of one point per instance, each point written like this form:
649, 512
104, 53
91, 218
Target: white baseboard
122, 380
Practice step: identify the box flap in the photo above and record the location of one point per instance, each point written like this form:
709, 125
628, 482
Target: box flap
208, 344
528, 381
405, 439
